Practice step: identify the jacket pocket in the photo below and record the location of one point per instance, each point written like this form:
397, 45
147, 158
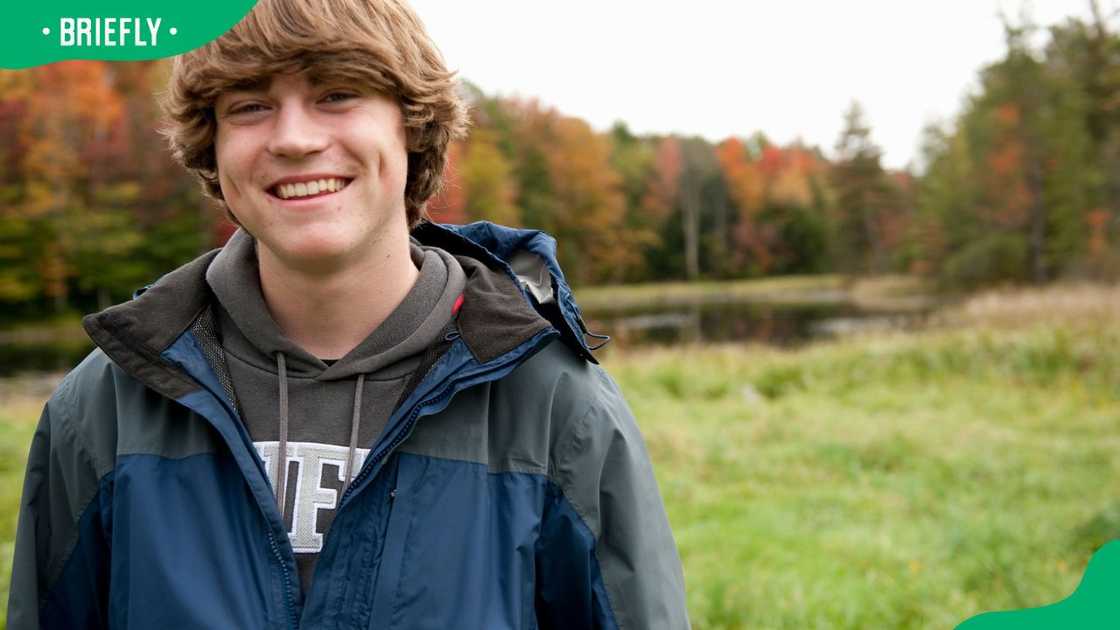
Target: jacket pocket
393, 546
466, 539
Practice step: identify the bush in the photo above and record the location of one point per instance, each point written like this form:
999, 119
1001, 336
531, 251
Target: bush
991, 260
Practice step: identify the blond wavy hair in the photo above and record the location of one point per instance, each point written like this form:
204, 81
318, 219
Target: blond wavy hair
377, 44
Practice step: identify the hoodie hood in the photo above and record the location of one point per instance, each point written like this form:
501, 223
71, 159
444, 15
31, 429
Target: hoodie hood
406, 332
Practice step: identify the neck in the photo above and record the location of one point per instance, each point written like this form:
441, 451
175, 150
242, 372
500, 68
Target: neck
328, 312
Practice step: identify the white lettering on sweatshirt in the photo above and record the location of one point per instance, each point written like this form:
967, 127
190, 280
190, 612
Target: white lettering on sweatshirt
316, 474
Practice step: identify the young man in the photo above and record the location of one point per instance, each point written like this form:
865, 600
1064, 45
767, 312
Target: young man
327, 423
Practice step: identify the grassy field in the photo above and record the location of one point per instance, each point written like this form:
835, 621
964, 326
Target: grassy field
890, 481
21, 401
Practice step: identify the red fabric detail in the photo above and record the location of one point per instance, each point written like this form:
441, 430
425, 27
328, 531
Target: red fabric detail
458, 305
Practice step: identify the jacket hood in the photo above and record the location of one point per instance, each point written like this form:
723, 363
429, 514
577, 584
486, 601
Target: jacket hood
514, 289
528, 258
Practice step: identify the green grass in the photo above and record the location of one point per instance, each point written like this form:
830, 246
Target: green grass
890, 481
18, 418
886, 482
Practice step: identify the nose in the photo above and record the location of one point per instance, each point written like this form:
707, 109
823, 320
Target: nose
296, 133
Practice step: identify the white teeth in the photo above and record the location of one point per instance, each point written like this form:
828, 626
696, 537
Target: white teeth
304, 189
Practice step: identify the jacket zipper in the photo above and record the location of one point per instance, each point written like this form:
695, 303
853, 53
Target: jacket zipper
410, 424
396, 442
289, 605
404, 435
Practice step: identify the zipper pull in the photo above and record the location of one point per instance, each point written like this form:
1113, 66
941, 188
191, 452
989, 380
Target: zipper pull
392, 495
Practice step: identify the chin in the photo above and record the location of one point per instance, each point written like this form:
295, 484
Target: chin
322, 249
313, 250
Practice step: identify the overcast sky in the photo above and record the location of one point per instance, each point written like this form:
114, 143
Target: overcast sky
718, 68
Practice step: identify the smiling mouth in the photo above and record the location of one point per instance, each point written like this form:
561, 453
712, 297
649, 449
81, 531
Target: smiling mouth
310, 189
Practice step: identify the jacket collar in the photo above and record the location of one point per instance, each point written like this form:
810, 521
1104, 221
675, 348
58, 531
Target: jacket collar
133, 334
500, 309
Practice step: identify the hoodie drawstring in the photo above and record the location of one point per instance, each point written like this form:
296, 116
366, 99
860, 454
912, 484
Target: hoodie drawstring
282, 449
354, 421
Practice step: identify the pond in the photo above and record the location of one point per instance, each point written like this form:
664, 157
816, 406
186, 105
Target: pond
778, 324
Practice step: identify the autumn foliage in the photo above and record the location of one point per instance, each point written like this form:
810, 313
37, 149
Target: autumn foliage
1023, 185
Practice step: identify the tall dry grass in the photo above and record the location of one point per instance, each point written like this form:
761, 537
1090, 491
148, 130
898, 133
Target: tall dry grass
1065, 304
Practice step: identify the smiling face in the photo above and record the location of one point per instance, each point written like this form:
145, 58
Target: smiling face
315, 171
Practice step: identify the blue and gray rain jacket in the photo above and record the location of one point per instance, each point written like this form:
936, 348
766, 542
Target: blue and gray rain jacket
510, 489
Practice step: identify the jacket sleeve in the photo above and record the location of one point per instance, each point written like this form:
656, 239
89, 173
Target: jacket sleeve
60, 566
606, 556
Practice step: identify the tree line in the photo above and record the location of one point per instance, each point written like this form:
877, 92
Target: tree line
1023, 185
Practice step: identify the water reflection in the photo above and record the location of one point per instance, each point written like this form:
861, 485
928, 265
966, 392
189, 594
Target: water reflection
773, 324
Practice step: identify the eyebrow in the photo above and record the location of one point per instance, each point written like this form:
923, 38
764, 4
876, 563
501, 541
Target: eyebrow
328, 78
251, 85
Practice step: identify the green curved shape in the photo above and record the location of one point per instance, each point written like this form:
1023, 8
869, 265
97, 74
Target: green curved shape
1093, 604
36, 33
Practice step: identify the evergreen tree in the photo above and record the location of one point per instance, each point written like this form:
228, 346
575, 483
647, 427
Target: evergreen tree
862, 195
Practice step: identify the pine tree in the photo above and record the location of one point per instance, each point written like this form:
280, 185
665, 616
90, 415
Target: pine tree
862, 194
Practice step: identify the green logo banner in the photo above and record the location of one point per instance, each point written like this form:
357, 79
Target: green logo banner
1092, 605
45, 31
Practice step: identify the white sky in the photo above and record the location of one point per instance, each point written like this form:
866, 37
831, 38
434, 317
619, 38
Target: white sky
718, 68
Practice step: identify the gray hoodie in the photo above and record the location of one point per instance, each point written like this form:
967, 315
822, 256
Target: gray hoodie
320, 414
